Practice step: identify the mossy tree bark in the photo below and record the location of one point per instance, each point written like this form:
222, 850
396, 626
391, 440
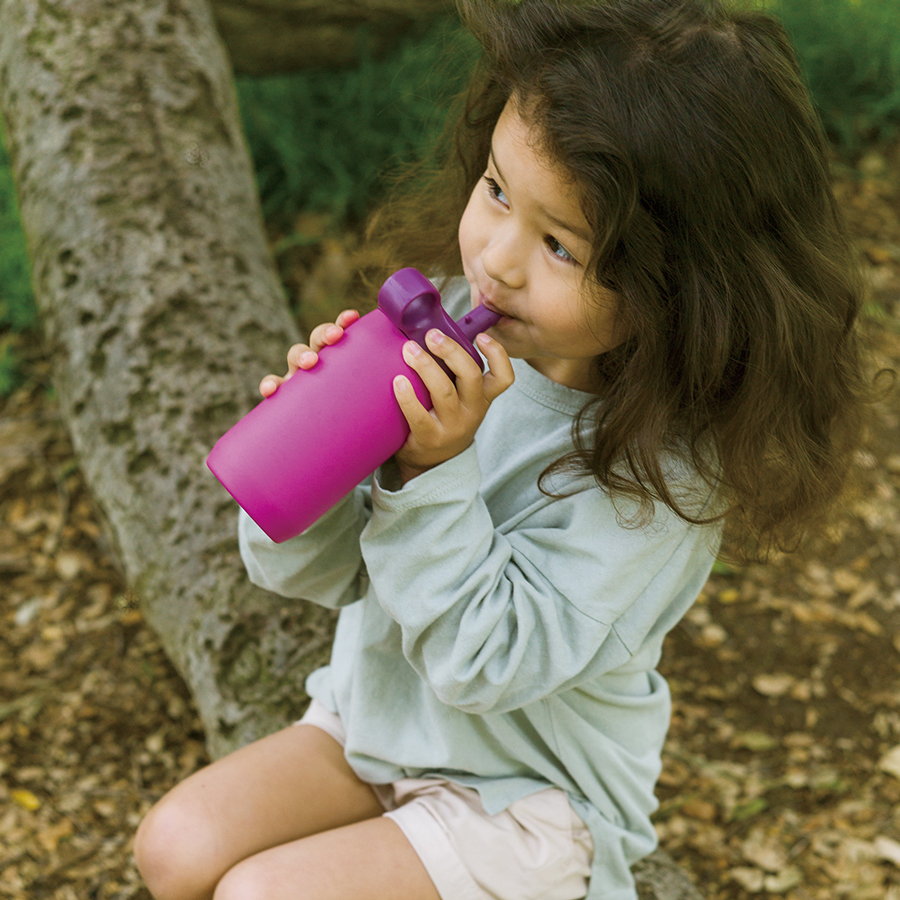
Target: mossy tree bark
161, 310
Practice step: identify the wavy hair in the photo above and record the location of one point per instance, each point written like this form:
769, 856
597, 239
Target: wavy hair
703, 173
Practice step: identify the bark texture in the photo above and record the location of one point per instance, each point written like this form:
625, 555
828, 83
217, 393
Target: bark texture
161, 310
269, 36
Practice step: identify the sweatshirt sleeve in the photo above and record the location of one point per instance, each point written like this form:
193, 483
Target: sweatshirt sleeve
494, 617
323, 564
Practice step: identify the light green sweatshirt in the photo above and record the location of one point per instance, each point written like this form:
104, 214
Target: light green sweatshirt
497, 637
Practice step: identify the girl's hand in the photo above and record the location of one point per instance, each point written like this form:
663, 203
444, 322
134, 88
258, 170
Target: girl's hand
458, 409
305, 356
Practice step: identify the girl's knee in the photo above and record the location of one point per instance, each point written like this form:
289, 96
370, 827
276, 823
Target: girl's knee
246, 881
175, 852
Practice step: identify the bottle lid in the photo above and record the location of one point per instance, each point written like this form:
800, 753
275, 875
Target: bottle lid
413, 304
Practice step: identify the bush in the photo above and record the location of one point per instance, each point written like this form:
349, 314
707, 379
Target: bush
850, 53
321, 140
18, 313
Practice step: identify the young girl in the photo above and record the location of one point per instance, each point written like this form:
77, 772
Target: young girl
640, 189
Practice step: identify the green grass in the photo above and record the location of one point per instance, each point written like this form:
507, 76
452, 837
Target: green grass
18, 313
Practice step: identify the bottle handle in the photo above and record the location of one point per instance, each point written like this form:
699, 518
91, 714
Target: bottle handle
413, 304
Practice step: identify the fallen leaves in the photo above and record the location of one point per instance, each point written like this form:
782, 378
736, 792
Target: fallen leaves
94, 723
755, 880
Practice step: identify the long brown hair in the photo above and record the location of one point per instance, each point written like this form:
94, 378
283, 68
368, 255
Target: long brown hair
703, 171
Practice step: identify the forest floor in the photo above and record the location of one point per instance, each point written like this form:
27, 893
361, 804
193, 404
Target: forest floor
782, 771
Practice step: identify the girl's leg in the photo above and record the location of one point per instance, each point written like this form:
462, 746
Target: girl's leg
291, 784
371, 860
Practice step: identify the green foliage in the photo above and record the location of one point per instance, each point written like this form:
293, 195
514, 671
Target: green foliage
850, 53
322, 140
17, 309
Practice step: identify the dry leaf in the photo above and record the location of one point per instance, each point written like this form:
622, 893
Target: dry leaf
699, 809
69, 565
773, 685
888, 849
754, 740
712, 636
890, 762
764, 856
50, 837
751, 880
105, 808
25, 799
845, 580
783, 881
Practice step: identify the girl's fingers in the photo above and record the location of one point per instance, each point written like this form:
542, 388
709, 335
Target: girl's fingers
324, 335
269, 385
419, 419
331, 332
435, 379
305, 356
468, 379
501, 374
300, 356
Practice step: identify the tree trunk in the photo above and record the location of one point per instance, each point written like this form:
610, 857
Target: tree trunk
161, 310
268, 36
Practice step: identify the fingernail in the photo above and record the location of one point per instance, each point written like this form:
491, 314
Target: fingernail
401, 383
307, 358
436, 336
413, 348
483, 339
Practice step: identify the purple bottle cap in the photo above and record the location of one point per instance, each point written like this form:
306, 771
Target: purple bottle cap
479, 319
413, 304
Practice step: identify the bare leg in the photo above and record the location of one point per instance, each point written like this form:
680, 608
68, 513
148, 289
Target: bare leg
371, 860
289, 785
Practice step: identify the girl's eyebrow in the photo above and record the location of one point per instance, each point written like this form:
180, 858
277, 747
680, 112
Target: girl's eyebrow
581, 233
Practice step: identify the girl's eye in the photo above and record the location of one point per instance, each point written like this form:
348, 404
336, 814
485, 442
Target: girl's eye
557, 249
495, 190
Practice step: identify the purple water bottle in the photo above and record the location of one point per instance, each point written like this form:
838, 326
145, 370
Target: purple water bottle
297, 453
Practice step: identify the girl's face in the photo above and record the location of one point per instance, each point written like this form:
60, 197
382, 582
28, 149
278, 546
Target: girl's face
524, 243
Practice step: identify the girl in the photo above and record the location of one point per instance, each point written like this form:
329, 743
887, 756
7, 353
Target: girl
640, 189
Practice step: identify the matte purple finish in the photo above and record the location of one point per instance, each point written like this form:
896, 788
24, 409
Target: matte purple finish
297, 453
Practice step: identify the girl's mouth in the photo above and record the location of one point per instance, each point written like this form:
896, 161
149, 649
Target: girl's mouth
487, 302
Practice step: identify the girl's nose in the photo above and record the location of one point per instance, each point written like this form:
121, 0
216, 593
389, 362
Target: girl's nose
502, 259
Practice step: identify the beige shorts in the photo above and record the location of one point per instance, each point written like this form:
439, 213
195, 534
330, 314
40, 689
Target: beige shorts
537, 849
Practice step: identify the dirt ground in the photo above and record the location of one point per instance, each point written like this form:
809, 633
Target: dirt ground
782, 772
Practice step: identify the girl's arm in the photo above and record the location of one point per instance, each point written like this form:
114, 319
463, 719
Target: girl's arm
323, 564
496, 617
